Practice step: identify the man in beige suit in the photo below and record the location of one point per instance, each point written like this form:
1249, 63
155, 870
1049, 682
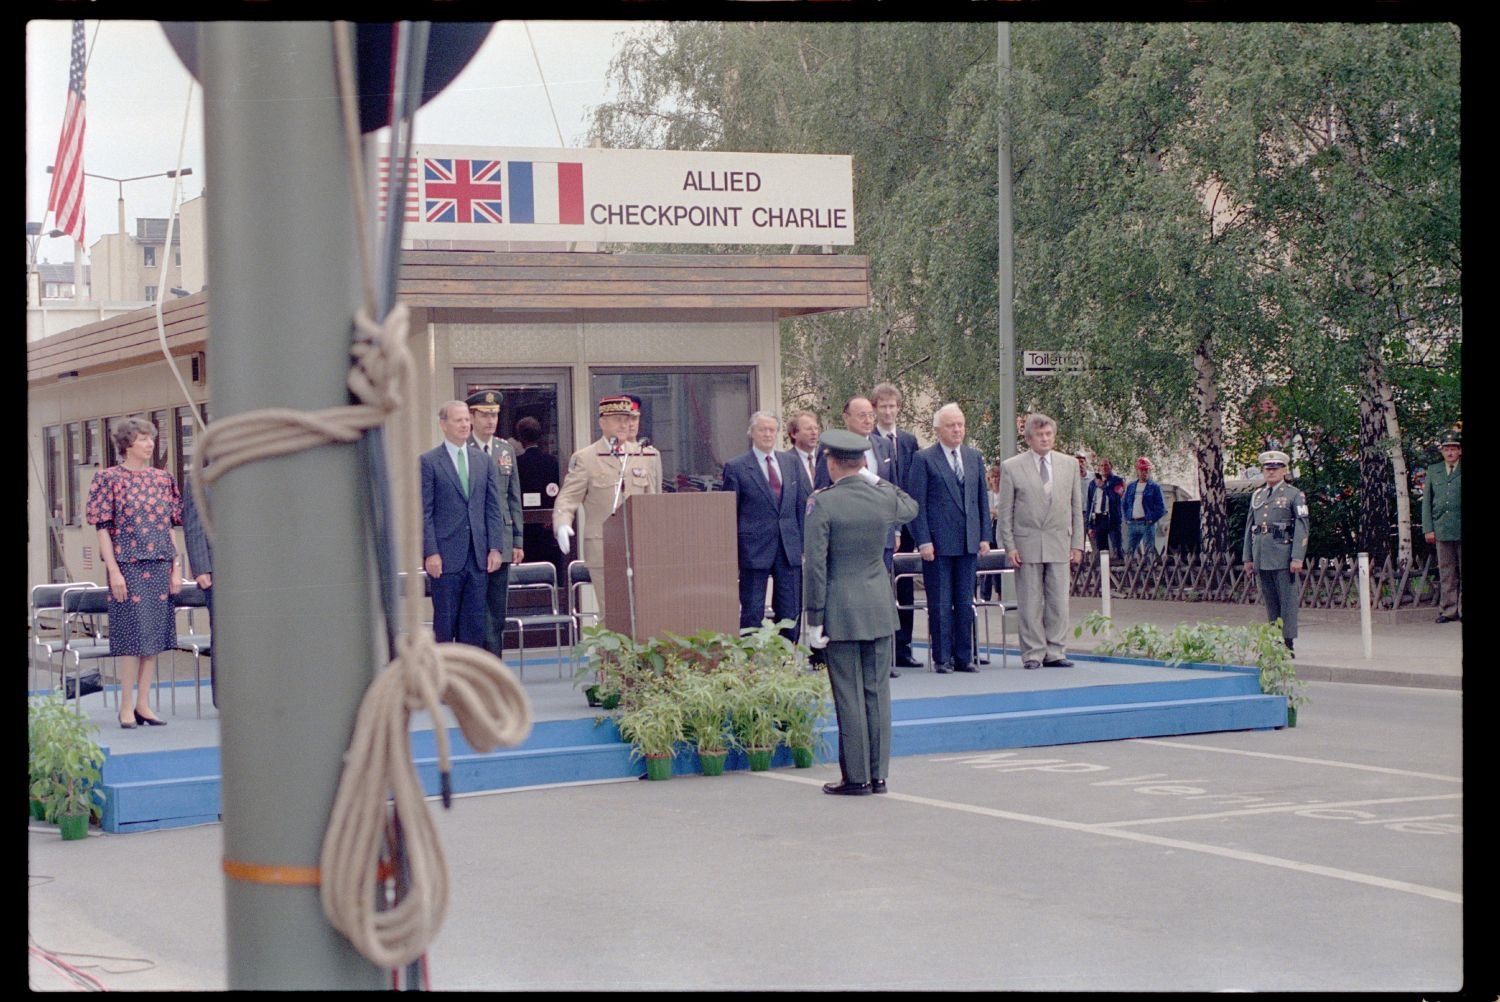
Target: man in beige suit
599, 477
1041, 530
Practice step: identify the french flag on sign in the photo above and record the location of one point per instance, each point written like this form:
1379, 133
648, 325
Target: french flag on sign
544, 193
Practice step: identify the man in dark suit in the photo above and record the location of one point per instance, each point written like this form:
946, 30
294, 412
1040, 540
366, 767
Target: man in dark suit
484, 413
849, 608
951, 530
462, 531
770, 503
859, 417
201, 560
887, 400
802, 431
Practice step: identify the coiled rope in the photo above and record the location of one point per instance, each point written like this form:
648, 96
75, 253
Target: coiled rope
356, 883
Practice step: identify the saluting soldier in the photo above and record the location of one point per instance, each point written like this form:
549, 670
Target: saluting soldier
600, 476
847, 594
1276, 541
484, 407
1441, 515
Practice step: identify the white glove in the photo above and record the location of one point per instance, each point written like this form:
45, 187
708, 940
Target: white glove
564, 536
815, 638
869, 475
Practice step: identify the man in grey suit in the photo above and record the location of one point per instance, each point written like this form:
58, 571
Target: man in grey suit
847, 595
1041, 530
201, 559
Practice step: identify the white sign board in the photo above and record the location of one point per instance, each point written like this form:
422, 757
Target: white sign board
1047, 363
624, 196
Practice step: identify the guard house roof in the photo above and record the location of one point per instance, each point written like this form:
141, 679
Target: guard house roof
788, 285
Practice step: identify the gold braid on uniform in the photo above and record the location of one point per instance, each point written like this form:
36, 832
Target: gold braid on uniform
379, 790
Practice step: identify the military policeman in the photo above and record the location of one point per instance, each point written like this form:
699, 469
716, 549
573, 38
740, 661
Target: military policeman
599, 478
1276, 541
1440, 524
847, 597
484, 406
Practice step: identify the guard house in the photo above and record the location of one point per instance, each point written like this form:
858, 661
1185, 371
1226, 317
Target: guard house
695, 335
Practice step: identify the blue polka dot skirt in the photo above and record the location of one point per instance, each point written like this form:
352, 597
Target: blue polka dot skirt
145, 623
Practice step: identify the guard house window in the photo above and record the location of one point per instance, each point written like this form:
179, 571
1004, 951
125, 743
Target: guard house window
150, 256
696, 417
75, 473
151, 292
185, 431
52, 463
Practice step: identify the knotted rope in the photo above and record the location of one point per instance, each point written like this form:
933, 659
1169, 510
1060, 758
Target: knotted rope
486, 699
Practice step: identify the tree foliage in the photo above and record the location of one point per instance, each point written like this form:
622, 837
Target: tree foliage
1218, 214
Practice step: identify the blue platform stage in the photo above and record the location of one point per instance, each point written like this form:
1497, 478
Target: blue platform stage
169, 777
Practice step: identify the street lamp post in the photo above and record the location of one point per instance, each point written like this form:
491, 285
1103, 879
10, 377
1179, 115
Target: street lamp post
120, 183
34, 236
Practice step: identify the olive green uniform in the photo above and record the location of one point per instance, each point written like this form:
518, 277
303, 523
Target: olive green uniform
1276, 535
847, 591
593, 473
1441, 514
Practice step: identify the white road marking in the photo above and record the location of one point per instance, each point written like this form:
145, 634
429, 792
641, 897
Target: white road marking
1159, 743
1293, 808
1262, 859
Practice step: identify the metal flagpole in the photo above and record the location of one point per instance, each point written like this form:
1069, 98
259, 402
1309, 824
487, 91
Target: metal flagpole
294, 638
1005, 279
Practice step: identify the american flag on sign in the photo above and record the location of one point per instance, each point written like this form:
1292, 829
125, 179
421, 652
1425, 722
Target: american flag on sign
65, 200
387, 184
461, 191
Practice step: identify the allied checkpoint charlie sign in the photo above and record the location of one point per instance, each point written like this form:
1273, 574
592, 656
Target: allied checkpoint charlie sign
626, 196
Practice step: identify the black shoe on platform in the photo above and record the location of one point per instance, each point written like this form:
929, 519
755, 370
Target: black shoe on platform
1030, 665
895, 673
877, 786
1057, 663
964, 667
942, 669
907, 661
847, 789
149, 721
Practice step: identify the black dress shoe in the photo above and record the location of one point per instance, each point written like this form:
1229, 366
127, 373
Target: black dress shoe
1057, 663
877, 786
964, 667
907, 661
942, 669
895, 673
847, 789
149, 721
1446, 619
1029, 665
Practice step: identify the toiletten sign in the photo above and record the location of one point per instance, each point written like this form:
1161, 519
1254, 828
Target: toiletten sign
624, 196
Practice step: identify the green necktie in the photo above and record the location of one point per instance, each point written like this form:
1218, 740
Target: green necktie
463, 469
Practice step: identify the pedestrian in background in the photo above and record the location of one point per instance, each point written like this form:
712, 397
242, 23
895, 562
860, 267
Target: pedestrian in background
1142, 507
1276, 542
1103, 506
1440, 524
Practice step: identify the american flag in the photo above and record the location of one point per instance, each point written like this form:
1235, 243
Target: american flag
461, 191
65, 201
388, 178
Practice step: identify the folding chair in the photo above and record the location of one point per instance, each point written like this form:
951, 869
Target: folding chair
909, 565
82, 639
195, 642
531, 577
996, 565
578, 576
45, 618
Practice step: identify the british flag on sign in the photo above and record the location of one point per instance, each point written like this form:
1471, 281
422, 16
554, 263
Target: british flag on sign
461, 191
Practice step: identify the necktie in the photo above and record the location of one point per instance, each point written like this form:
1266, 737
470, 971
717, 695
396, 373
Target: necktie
463, 470
958, 468
775, 476
1046, 472
812, 472
890, 437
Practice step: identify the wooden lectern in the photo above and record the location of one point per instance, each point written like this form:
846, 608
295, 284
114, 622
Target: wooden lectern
671, 563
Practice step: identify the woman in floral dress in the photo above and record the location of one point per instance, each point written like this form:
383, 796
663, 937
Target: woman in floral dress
134, 506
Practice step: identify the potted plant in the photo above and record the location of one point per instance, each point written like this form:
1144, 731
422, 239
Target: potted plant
805, 697
66, 764
611, 665
754, 715
1277, 674
653, 727
706, 701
